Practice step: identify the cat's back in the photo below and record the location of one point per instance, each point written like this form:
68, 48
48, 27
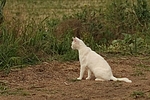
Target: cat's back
94, 57
91, 55
96, 62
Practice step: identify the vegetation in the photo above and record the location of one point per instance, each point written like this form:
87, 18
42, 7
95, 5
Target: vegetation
28, 33
2, 4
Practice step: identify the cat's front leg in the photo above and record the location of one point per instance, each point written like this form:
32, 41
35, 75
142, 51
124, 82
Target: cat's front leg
89, 74
82, 70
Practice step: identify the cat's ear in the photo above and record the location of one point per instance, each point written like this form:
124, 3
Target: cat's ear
77, 38
74, 39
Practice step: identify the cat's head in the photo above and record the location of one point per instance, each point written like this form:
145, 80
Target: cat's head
77, 43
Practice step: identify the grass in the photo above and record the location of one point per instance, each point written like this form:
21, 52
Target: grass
138, 94
28, 33
15, 92
51, 8
5, 90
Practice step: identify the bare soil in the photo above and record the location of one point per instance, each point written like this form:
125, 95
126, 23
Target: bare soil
57, 81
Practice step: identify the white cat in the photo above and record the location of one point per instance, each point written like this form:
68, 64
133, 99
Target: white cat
94, 62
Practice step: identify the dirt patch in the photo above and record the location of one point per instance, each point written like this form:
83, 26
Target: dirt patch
57, 81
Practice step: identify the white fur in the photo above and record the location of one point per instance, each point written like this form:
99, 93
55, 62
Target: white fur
94, 62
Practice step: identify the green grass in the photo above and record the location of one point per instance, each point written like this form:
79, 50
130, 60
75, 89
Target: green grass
14, 92
5, 90
28, 33
138, 94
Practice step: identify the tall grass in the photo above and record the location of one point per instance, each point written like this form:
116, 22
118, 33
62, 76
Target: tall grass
2, 4
121, 26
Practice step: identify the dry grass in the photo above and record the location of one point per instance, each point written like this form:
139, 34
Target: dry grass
48, 8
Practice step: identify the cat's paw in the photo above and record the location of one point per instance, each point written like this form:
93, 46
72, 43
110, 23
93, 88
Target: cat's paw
79, 78
98, 79
88, 78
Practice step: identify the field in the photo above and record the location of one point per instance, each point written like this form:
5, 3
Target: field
37, 62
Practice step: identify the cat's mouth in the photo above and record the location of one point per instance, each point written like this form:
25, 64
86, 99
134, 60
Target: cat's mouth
72, 47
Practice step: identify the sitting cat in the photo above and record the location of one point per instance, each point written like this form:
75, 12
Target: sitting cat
94, 62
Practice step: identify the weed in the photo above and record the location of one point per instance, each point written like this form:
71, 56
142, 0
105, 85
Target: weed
2, 4
138, 94
144, 67
139, 73
130, 44
3, 86
17, 91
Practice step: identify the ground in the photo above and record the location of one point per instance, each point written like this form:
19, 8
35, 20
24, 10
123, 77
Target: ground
57, 81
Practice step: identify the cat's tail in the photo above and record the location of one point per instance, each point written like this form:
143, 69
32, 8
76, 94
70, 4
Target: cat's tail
121, 79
